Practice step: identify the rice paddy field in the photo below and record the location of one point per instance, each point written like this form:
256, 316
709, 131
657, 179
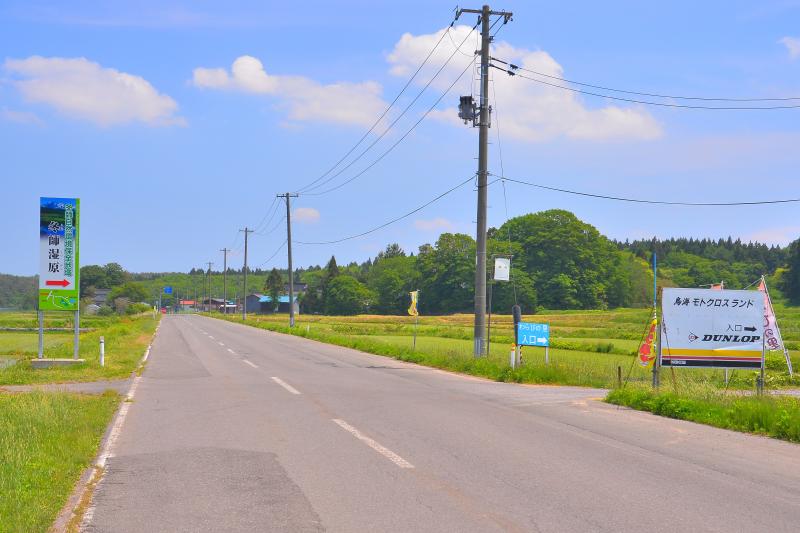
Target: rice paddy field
588, 348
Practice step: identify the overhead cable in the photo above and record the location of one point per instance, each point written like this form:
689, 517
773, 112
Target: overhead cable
381, 117
655, 95
657, 202
646, 102
396, 219
388, 128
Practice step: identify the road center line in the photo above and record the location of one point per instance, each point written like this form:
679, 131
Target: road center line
285, 385
211, 336
386, 452
232, 352
249, 363
221, 343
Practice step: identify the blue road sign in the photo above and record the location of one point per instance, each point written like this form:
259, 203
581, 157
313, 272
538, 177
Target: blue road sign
533, 334
167, 290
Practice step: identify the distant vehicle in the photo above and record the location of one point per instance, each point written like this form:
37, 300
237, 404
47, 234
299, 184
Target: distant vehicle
163, 310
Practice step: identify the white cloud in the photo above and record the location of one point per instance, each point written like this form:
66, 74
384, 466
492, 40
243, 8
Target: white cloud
527, 111
305, 99
434, 224
305, 214
20, 117
780, 235
792, 44
83, 89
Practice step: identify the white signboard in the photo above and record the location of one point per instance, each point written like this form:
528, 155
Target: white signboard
502, 268
712, 328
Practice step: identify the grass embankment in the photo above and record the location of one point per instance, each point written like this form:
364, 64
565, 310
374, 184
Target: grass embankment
46, 441
126, 338
769, 415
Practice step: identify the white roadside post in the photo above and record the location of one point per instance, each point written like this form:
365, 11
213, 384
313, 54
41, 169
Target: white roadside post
102, 351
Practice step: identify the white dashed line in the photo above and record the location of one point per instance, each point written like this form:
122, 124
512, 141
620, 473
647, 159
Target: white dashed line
211, 337
232, 352
386, 452
285, 385
221, 343
249, 363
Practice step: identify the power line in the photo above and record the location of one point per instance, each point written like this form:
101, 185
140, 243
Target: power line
392, 221
276, 226
388, 128
385, 111
401, 139
655, 95
645, 102
271, 210
657, 202
274, 254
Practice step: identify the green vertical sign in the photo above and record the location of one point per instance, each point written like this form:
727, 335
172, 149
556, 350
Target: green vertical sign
59, 268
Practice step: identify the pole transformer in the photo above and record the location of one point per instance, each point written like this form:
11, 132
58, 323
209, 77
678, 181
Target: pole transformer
483, 123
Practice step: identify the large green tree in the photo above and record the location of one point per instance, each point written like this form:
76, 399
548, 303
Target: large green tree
572, 264
273, 286
790, 283
392, 277
348, 296
447, 274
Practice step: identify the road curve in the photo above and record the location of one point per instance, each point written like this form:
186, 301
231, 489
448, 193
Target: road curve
238, 429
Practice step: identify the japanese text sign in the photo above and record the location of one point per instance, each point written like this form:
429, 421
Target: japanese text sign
59, 268
533, 334
712, 328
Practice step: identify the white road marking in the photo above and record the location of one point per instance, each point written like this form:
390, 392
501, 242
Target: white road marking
386, 452
285, 385
211, 336
249, 363
221, 343
234, 353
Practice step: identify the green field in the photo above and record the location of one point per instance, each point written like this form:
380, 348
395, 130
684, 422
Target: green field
46, 441
589, 348
126, 339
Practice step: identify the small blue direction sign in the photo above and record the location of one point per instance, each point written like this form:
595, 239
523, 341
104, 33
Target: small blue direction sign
167, 290
533, 334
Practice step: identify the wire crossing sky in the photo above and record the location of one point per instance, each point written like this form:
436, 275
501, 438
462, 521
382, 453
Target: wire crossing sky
176, 124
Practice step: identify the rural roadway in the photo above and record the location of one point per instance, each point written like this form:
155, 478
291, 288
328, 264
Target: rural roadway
238, 429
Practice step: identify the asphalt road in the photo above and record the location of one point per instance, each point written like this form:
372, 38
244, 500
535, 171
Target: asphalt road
238, 429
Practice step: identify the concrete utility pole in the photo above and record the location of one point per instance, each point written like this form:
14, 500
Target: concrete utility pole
287, 196
244, 272
225, 280
208, 280
483, 164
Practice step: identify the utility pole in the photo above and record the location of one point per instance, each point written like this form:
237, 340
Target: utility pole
225, 280
208, 280
483, 164
287, 196
244, 272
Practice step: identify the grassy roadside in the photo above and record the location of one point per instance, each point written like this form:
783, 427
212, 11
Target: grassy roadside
46, 441
769, 415
566, 367
126, 338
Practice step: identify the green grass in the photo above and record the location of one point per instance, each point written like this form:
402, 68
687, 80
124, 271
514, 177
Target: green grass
46, 441
768, 415
126, 338
27, 343
587, 346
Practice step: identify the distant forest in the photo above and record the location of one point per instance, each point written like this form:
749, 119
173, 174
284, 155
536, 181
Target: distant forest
558, 262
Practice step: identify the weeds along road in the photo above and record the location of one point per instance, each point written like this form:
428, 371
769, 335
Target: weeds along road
238, 429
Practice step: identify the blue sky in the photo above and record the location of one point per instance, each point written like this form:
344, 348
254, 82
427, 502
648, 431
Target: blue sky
176, 123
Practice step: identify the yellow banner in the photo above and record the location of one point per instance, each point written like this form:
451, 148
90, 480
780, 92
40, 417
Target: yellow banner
412, 309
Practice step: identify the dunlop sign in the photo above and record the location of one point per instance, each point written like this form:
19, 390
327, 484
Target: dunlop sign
712, 328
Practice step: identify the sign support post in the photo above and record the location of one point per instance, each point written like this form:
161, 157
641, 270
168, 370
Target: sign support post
41, 333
